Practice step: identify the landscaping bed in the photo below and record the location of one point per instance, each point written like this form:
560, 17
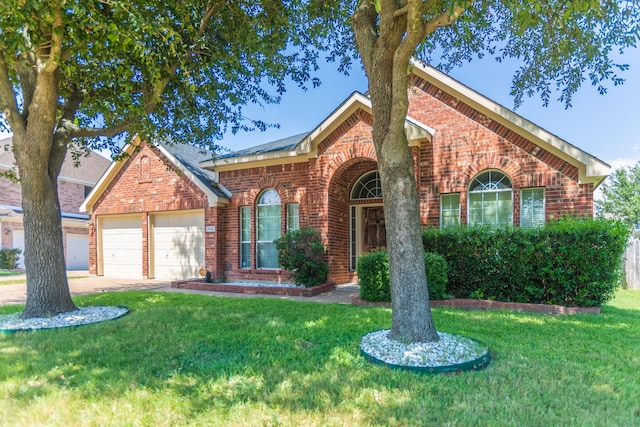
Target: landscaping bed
477, 304
249, 288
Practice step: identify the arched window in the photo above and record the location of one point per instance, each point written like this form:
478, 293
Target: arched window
368, 186
491, 200
268, 228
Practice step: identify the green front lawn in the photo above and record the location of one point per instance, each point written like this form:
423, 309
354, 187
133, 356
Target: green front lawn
181, 359
10, 272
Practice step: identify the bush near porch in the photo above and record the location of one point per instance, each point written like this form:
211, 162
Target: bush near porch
373, 275
570, 262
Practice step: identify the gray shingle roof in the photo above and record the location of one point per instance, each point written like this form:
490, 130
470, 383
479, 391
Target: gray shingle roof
190, 157
284, 144
90, 168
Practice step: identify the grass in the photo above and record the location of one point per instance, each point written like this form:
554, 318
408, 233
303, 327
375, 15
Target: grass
181, 359
10, 272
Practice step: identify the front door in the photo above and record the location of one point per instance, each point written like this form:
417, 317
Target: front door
374, 231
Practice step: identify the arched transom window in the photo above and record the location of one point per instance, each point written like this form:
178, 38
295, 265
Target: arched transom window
368, 186
268, 229
491, 199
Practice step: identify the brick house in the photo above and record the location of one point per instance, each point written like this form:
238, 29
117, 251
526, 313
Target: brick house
74, 184
167, 211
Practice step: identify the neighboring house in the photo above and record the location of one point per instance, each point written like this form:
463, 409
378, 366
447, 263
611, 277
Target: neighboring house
74, 184
167, 211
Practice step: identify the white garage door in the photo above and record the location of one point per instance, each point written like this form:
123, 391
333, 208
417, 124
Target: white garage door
122, 247
178, 241
77, 251
18, 243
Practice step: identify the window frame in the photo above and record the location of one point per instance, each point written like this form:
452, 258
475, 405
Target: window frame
541, 221
450, 209
293, 218
260, 229
245, 217
492, 190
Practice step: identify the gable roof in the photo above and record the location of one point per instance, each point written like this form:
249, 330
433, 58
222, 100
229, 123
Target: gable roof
185, 157
88, 172
301, 147
590, 168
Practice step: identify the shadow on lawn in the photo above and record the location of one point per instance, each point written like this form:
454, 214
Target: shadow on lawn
294, 355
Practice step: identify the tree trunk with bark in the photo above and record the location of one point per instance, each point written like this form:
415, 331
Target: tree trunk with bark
39, 153
387, 73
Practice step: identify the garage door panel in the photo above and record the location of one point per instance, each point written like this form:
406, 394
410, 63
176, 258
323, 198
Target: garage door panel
77, 252
122, 247
178, 245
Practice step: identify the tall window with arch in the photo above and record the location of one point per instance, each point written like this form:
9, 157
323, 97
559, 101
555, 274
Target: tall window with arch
268, 229
491, 200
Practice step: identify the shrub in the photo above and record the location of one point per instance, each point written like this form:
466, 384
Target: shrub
571, 262
302, 253
9, 258
373, 275
436, 269
375, 284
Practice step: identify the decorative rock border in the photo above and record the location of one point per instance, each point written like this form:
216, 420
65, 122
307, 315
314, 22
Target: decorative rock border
435, 354
476, 304
248, 289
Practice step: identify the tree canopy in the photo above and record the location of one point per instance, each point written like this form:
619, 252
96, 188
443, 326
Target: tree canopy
621, 195
178, 69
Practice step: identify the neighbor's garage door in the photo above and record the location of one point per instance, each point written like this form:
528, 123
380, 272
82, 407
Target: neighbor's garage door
122, 247
178, 245
77, 251
18, 243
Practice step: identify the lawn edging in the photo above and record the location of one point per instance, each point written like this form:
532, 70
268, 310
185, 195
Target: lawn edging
248, 289
477, 304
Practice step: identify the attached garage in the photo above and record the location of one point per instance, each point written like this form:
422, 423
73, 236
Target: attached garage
121, 247
177, 245
77, 251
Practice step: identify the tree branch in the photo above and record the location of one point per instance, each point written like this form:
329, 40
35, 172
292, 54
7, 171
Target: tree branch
363, 22
8, 101
55, 50
78, 132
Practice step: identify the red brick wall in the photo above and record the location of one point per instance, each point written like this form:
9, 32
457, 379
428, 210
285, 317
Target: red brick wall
70, 194
465, 143
10, 192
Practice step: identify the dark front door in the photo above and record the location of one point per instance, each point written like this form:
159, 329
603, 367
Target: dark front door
374, 232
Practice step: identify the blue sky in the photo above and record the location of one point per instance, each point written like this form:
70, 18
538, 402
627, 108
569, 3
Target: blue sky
605, 126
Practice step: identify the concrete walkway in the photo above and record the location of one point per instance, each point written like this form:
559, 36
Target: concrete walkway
81, 283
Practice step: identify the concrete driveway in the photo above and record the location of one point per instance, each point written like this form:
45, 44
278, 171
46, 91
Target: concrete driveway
81, 283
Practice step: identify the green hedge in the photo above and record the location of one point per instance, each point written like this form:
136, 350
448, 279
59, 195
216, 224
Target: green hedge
570, 262
373, 274
9, 258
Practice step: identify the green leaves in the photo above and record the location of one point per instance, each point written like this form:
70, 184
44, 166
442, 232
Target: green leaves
572, 262
621, 196
177, 70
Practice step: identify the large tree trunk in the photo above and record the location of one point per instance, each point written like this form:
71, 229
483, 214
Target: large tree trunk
411, 315
386, 38
47, 286
39, 154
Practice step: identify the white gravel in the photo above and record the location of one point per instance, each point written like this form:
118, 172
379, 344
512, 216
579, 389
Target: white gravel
448, 351
81, 316
262, 284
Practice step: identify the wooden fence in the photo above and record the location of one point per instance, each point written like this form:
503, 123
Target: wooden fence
631, 278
